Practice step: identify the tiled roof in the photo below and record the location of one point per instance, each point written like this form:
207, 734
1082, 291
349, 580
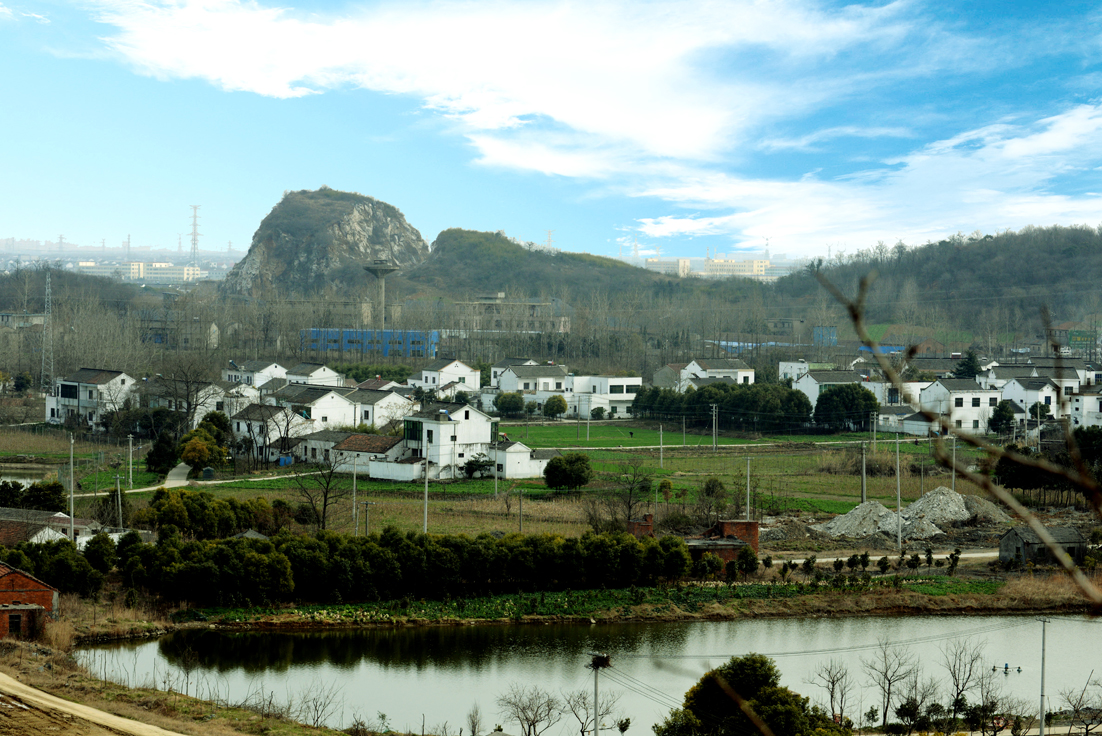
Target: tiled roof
1062, 534
375, 384
438, 365
963, 384
506, 362
252, 366
364, 396
327, 435
367, 443
538, 371
720, 364
834, 376
258, 412
1035, 384
93, 376
305, 369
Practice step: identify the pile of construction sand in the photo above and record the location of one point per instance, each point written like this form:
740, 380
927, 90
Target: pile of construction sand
921, 520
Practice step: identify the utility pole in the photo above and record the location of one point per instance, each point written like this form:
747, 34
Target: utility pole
425, 527
520, 509
598, 663
118, 498
130, 466
954, 463
682, 430
660, 448
355, 508
1041, 732
748, 488
367, 516
873, 422
715, 412
72, 485
898, 502
864, 486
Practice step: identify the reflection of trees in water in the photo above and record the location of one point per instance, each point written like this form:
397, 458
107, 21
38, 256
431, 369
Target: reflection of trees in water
451, 647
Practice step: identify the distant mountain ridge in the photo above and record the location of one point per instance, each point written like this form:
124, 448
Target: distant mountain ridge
317, 241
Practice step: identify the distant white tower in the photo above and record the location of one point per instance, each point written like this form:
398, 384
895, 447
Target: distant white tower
195, 234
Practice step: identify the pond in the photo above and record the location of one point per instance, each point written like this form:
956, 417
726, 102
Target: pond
437, 674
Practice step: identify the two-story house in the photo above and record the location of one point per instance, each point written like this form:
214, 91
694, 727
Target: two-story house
812, 383
499, 367
315, 374
253, 372
325, 406
438, 374
531, 378
717, 368
613, 393
964, 402
268, 431
1025, 392
447, 435
88, 395
1086, 407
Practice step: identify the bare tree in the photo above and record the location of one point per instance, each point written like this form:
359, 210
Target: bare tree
474, 719
636, 487
1085, 706
962, 660
579, 703
889, 668
318, 485
834, 677
535, 709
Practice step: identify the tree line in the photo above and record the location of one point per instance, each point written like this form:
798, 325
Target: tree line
333, 567
765, 407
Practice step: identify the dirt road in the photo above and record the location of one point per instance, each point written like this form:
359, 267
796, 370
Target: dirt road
25, 711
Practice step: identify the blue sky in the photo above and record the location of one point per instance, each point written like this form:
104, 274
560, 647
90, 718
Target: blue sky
685, 125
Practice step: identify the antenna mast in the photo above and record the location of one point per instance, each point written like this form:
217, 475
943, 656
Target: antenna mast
127, 244
60, 243
48, 341
195, 234
635, 248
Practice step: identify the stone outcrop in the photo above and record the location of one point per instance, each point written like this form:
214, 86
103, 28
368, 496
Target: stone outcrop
314, 241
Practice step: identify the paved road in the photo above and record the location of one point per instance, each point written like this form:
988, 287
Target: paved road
177, 477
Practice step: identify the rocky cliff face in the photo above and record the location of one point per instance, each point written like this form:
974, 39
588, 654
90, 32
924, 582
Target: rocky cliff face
317, 241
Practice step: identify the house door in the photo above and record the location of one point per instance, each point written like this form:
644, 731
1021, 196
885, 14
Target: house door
15, 624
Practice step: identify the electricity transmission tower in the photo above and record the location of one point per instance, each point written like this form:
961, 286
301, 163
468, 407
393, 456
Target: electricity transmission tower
48, 341
195, 234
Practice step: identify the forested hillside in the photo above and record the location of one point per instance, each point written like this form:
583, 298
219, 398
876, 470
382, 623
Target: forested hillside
970, 282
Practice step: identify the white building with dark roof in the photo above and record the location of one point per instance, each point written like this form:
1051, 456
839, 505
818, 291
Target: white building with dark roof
442, 372
965, 403
88, 395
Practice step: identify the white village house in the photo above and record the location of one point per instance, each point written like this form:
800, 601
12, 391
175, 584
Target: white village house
88, 395
967, 405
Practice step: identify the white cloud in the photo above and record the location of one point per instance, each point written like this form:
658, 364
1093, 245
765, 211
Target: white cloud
5, 13
991, 178
807, 142
35, 17
621, 73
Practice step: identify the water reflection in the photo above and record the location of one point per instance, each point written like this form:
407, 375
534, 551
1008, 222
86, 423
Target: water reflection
441, 671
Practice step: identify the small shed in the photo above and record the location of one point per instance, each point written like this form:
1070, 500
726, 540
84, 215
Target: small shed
1021, 544
17, 588
21, 620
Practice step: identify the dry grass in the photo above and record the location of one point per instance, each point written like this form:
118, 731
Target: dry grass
18, 442
58, 673
469, 516
59, 634
1054, 589
110, 618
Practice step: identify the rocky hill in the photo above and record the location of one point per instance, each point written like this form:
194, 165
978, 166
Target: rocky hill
317, 240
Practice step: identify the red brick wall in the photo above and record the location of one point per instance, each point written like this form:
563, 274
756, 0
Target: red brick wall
747, 531
16, 586
30, 623
642, 528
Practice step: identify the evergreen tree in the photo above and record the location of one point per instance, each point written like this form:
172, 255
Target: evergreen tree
1002, 419
968, 367
162, 456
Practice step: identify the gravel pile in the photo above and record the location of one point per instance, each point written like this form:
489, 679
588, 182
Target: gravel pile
921, 520
939, 506
985, 511
863, 521
913, 528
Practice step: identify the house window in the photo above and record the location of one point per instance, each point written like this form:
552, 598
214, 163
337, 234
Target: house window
53, 413
219, 405
325, 419
462, 380
428, 435
1100, 405
452, 438
326, 454
1048, 401
975, 401
525, 385
611, 410
366, 415
313, 453
594, 389
746, 379
975, 424
958, 424
466, 413
558, 385
461, 454
993, 401
89, 394
237, 428
616, 389
959, 401
499, 467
